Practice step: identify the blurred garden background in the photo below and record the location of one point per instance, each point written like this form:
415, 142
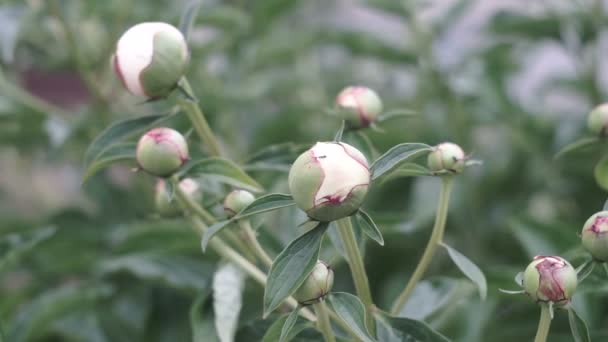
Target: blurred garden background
511, 81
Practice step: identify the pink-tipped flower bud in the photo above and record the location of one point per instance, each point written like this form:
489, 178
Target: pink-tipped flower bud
597, 121
236, 201
151, 58
329, 181
446, 157
162, 151
595, 236
358, 106
317, 285
171, 208
550, 279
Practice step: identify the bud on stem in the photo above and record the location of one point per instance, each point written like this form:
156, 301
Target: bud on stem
162, 151
447, 157
317, 285
358, 106
595, 236
550, 279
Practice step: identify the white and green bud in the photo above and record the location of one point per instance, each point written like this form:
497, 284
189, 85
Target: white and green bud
447, 157
317, 285
358, 106
170, 208
236, 201
162, 151
595, 236
329, 181
597, 121
151, 58
550, 279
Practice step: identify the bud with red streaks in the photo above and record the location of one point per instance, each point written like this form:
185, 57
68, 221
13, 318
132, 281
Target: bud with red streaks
162, 151
550, 279
358, 106
595, 236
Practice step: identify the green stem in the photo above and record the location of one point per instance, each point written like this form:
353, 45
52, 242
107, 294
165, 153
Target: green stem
431, 247
323, 321
543, 324
251, 237
357, 268
196, 116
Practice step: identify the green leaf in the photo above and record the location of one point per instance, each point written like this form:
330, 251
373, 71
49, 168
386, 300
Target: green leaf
579, 329
350, 309
396, 113
277, 157
292, 266
397, 329
15, 246
221, 170
340, 132
408, 170
273, 334
189, 17
605, 207
605, 267
364, 222
260, 205
228, 284
118, 131
397, 155
469, 269
113, 154
577, 145
288, 325
201, 320
585, 270
600, 172
512, 292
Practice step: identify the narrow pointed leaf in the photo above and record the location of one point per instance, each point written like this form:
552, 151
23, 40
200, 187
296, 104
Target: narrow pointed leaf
350, 309
292, 266
396, 156
119, 152
584, 270
469, 269
288, 325
605, 207
577, 145
399, 329
364, 222
338, 136
13, 247
519, 279
579, 329
396, 113
273, 334
408, 170
512, 291
600, 172
189, 17
221, 170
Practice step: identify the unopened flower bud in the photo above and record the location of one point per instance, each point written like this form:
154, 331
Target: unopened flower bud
162, 151
595, 236
447, 157
329, 181
597, 121
236, 201
151, 58
171, 208
317, 285
550, 279
358, 106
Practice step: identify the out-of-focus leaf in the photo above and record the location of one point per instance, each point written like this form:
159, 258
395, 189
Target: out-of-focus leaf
585, 270
397, 155
288, 325
80, 326
338, 136
15, 246
273, 333
113, 154
11, 17
398, 329
350, 309
577, 145
365, 44
395, 114
188, 17
228, 283
292, 266
201, 320
364, 222
407, 170
600, 172
221, 170
579, 329
469, 269
226, 17
275, 157
430, 297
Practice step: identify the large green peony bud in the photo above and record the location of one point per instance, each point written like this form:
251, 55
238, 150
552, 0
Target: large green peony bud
550, 279
162, 151
317, 285
358, 106
329, 181
595, 236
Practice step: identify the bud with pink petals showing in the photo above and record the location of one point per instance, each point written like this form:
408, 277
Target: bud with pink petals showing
358, 106
446, 157
595, 236
150, 59
329, 181
317, 285
162, 151
597, 121
550, 279
236, 201
167, 208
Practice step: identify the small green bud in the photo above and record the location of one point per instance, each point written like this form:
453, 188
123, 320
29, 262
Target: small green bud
329, 181
550, 279
236, 201
162, 151
317, 285
171, 208
358, 106
595, 236
150, 59
446, 157
597, 121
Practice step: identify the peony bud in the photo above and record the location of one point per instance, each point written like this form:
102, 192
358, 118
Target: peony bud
550, 279
329, 181
236, 201
162, 151
168, 208
597, 121
358, 106
317, 285
446, 157
150, 59
595, 236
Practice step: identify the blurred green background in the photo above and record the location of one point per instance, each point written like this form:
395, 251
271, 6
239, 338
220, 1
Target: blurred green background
510, 81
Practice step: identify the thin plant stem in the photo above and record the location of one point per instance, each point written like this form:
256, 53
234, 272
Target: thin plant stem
357, 268
251, 237
434, 242
323, 321
196, 116
543, 324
